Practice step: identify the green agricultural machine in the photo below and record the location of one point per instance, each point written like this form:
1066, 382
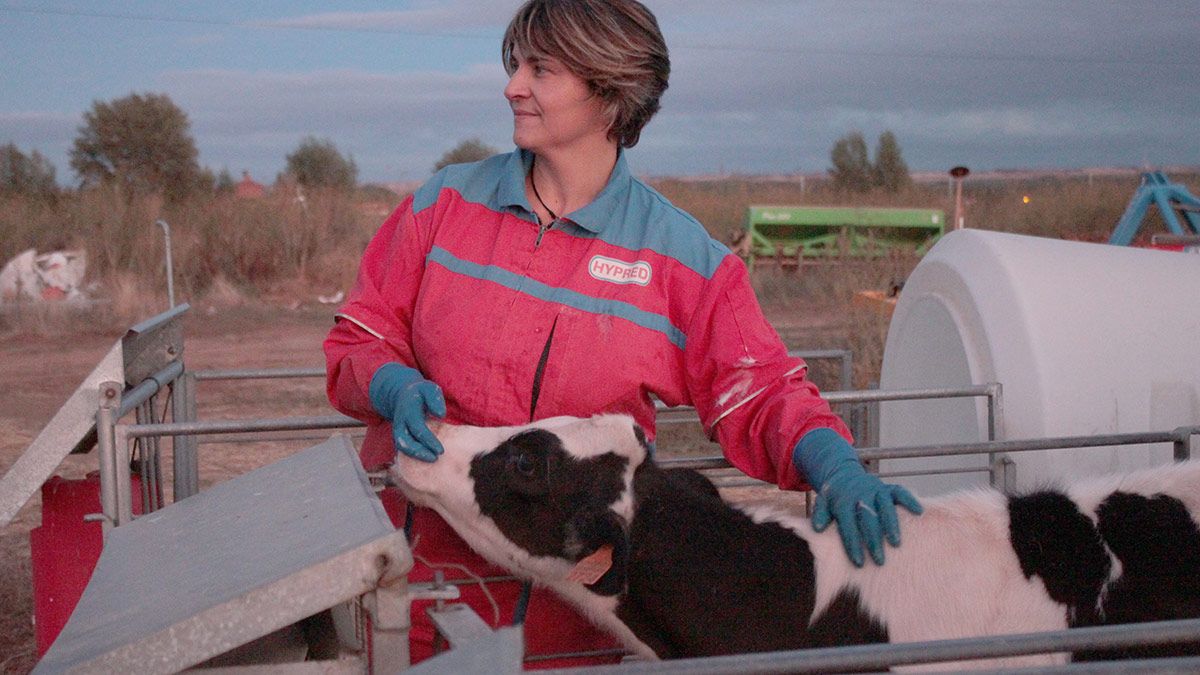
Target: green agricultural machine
791, 235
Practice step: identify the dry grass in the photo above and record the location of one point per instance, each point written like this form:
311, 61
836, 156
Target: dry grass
257, 245
250, 244
17, 647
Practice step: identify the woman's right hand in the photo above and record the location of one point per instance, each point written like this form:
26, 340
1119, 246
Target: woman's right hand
404, 397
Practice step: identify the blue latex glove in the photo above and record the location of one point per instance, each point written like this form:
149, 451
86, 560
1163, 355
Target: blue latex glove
863, 506
403, 396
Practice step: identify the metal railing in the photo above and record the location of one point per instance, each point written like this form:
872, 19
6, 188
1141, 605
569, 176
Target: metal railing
158, 368
881, 657
117, 505
999, 469
122, 434
858, 407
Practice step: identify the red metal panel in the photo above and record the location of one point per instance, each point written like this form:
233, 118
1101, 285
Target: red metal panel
64, 550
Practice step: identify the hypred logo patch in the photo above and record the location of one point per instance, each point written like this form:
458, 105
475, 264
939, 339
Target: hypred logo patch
619, 271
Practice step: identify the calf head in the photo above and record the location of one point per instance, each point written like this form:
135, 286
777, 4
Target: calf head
541, 500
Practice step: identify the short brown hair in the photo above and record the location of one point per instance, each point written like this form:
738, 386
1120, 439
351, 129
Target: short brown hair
615, 46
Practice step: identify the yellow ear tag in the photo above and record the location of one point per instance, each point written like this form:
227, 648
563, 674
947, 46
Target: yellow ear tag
589, 570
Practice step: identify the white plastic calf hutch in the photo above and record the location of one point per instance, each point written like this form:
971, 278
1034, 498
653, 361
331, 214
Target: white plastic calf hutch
1083, 338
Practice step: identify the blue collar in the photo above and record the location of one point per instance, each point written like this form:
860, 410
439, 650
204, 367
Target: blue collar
595, 216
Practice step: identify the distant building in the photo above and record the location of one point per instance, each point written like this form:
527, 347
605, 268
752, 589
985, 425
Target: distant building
248, 188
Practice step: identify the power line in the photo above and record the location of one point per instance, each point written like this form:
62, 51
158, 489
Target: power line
227, 23
942, 56
683, 44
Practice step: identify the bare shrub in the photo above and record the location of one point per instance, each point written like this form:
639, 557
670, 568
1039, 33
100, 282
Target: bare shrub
221, 293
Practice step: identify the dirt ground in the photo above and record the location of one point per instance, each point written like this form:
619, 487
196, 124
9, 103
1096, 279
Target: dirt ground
37, 374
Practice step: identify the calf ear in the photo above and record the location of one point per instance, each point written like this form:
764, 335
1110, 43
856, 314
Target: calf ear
600, 544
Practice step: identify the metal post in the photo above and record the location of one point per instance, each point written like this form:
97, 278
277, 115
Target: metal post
184, 456
149, 466
1008, 475
110, 400
995, 401
1183, 443
958, 173
958, 210
388, 606
166, 228
124, 476
847, 359
1001, 469
143, 458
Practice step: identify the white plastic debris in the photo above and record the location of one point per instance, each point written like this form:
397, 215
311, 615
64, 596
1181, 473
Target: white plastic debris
331, 299
49, 277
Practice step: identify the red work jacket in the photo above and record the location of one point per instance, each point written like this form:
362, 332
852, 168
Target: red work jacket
622, 300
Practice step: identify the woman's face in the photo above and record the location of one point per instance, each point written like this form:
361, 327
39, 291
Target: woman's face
553, 109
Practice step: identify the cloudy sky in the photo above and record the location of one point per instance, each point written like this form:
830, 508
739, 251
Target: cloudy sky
757, 86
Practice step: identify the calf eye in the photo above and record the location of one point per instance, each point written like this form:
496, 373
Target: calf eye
524, 465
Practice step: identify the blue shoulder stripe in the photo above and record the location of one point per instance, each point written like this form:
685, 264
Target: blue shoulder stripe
495, 182
627, 213
562, 296
642, 218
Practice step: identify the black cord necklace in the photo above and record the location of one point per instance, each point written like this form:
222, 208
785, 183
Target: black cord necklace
533, 184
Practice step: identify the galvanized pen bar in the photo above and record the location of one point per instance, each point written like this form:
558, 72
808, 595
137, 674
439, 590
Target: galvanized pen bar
258, 373
226, 426
185, 407
1179, 437
185, 429
881, 657
113, 452
845, 356
115, 499
147, 388
992, 391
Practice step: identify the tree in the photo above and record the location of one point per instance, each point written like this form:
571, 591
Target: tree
30, 175
143, 143
470, 150
316, 163
891, 173
851, 167
224, 184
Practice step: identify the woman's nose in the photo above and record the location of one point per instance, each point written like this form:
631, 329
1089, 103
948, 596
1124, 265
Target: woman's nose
517, 86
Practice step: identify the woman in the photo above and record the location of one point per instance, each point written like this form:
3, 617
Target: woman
549, 281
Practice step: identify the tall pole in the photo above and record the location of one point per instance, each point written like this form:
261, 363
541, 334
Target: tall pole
957, 174
170, 272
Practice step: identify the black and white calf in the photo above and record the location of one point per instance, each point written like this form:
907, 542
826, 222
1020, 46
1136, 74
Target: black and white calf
691, 575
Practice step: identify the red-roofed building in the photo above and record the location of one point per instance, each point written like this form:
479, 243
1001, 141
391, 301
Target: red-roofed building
248, 188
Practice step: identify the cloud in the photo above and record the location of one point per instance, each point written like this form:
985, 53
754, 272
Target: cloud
446, 17
1012, 83
253, 119
37, 125
766, 88
51, 133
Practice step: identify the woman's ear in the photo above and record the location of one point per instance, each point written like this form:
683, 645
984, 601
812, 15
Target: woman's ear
600, 545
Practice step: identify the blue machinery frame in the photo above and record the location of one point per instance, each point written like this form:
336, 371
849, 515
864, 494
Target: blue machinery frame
1157, 189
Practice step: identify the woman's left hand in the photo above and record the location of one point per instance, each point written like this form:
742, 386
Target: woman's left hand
863, 506
865, 510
